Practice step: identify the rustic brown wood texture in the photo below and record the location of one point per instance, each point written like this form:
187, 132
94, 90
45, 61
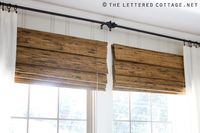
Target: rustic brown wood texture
125, 53
61, 43
145, 70
48, 58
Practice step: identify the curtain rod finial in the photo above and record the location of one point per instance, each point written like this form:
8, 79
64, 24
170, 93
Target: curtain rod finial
109, 24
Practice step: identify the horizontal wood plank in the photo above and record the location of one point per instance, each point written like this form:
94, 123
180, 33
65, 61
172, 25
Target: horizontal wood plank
61, 43
145, 84
60, 73
132, 69
60, 60
131, 54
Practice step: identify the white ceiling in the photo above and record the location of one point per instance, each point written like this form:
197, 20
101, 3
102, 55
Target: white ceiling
180, 19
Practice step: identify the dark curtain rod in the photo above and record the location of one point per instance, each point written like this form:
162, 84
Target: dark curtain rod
110, 24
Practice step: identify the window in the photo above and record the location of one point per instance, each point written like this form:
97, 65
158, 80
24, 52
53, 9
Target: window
42, 109
139, 112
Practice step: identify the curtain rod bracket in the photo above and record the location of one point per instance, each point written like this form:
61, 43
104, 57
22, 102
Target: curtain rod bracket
109, 24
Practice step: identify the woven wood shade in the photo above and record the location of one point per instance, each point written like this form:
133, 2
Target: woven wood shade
48, 58
144, 70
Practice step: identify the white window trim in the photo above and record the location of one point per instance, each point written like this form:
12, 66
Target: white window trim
90, 109
130, 120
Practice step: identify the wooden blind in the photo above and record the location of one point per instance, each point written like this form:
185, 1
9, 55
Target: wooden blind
144, 70
48, 58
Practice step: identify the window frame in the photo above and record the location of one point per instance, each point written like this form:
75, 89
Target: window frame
130, 120
90, 111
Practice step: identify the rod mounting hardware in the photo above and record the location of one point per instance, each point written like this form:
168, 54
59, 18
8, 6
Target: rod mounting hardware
109, 24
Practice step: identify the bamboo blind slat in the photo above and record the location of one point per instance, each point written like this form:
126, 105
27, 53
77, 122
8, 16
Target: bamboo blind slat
61, 43
59, 73
145, 70
60, 60
148, 57
48, 58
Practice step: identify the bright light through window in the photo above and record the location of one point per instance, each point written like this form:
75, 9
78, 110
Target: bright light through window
42, 109
138, 112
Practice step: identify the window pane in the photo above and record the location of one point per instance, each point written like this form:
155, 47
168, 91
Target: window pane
72, 126
43, 101
72, 103
159, 107
162, 128
20, 100
160, 100
140, 106
120, 105
159, 114
42, 126
140, 127
121, 127
19, 126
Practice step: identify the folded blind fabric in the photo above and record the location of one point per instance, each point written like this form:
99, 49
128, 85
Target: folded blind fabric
144, 70
48, 58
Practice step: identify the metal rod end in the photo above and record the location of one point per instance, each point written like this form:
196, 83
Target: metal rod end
109, 24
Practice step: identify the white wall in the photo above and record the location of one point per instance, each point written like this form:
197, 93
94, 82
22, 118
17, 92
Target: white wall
92, 31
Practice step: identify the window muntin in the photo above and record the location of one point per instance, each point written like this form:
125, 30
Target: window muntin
48, 109
136, 112
43, 101
72, 104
